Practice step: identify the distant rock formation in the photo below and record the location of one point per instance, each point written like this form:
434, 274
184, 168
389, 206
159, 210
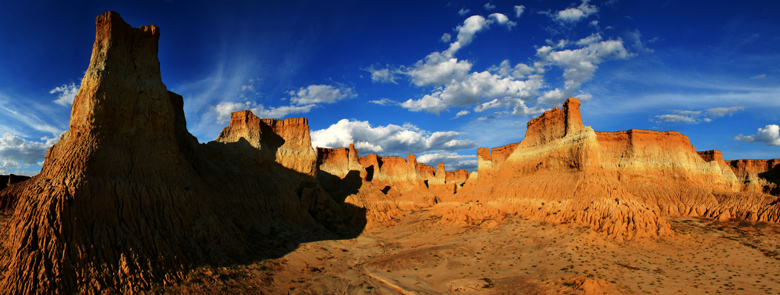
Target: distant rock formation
127, 198
344, 178
287, 142
621, 183
761, 176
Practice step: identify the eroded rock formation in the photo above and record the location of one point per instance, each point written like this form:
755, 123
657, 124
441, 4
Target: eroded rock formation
127, 198
621, 183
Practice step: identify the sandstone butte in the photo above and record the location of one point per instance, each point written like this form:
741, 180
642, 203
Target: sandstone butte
128, 199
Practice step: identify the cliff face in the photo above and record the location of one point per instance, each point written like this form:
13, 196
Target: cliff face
344, 178
400, 179
287, 142
758, 175
620, 183
127, 198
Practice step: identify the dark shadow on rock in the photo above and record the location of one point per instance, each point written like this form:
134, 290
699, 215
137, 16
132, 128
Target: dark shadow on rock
270, 140
340, 188
386, 189
370, 173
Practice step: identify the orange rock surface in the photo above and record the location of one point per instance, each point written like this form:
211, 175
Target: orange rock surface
287, 141
127, 199
758, 175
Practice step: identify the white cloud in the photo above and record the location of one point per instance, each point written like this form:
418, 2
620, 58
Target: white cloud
388, 140
384, 102
519, 9
489, 6
438, 69
383, 75
474, 88
463, 11
579, 64
723, 111
594, 23
314, 94
466, 32
452, 161
676, 118
593, 38
224, 109
575, 14
67, 92
759, 77
461, 114
501, 19
446, 38
17, 153
770, 135
696, 117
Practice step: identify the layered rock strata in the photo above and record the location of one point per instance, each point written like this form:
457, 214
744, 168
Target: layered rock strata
287, 141
621, 183
128, 199
344, 178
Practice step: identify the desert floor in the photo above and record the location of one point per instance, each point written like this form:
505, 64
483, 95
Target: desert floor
516, 256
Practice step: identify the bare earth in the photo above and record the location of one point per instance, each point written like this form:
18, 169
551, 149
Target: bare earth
516, 256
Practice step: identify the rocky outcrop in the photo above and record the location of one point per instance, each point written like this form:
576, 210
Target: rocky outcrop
128, 199
287, 141
344, 178
621, 183
400, 179
758, 175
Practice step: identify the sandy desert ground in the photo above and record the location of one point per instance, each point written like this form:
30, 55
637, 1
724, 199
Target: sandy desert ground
421, 256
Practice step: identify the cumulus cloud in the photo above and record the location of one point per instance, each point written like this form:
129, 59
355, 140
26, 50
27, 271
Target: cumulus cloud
463, 11
466, 32
17, 153
489, 6
65, 94
696, 117
575, 14
519, 9
472, 89
438, 69
452, 161
501, 19
314, 94
579, 64
770, 135
388, 140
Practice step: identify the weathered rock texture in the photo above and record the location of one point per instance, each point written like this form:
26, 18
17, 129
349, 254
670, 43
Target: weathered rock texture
342, 175
127, 198
620, 183
758, 175
287, 142
400, 179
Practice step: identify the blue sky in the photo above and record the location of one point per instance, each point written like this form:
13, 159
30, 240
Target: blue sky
437, 79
